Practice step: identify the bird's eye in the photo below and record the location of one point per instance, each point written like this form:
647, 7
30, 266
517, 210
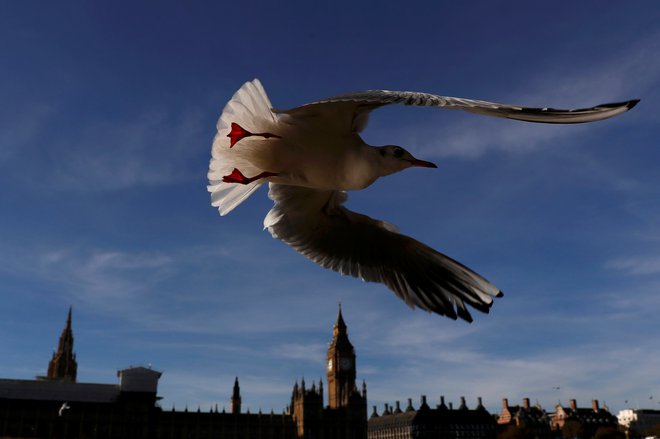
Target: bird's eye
398, 152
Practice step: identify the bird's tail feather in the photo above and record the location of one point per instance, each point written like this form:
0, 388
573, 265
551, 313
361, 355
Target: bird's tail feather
250, 109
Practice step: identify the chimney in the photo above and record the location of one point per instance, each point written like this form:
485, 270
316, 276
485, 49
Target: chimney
526, 403
505, 403
479, 403
594, 405
410, 406
573, 404
463, 406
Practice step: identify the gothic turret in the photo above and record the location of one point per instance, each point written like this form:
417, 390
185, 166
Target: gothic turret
63, 366
341, 365
236, 398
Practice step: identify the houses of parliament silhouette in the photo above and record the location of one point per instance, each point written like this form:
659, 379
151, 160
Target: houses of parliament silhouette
57, 406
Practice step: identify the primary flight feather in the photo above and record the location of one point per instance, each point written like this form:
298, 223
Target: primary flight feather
312, 154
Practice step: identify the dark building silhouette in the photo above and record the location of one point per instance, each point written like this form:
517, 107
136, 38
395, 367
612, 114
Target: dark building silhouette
57, 406
345, 417
441, 422
63, 366
236, 398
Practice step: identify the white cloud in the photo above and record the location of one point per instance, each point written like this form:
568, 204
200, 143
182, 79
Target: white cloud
636, 265
109, 280
457, 369
300, 351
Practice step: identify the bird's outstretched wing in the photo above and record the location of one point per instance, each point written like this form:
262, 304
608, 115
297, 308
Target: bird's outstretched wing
316, 224
355, 108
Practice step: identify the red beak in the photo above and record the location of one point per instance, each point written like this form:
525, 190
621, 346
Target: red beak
423, 164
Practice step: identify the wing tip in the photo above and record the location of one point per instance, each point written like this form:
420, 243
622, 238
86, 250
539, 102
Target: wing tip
628, 105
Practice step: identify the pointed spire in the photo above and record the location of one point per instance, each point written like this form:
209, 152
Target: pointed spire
237, 390
63, 365
340, 325
236, 398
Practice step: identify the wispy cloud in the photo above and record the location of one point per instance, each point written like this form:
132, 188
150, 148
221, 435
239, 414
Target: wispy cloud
457, 369
149, 147
300, 351
152, 149
108, 280
105, 278
632, 73
636, 265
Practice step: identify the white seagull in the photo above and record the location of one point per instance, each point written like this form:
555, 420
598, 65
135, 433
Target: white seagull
65, 406
312, 154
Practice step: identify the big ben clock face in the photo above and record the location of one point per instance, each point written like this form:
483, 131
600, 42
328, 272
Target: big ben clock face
330, 364
345, 363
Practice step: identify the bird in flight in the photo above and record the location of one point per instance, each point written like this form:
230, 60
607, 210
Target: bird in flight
312, 154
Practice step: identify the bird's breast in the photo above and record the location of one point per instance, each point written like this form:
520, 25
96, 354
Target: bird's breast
320, 163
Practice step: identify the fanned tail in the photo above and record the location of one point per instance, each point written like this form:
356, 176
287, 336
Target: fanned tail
245, 121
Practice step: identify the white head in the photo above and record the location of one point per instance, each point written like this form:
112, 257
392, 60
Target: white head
394, 159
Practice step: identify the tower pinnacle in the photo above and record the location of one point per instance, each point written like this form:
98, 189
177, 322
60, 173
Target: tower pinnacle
341, 365
236, 398
63, 365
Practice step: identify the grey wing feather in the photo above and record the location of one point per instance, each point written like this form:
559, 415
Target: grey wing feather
366, 101
315, 223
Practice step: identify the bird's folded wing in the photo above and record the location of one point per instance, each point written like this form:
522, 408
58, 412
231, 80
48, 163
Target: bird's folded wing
356, 106
315, 223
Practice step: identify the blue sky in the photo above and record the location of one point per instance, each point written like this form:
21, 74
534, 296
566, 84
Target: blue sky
107, 113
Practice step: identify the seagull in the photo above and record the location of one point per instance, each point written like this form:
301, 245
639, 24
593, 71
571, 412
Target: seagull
65, 406
313, 154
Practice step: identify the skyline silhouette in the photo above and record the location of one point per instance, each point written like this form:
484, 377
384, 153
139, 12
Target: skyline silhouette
108, 112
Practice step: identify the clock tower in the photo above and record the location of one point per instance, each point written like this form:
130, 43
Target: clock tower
340, 366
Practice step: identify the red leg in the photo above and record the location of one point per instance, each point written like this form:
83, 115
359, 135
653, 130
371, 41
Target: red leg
238, 132
237, 176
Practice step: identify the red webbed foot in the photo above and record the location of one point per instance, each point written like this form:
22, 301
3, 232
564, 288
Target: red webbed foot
237, 176
238, 132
